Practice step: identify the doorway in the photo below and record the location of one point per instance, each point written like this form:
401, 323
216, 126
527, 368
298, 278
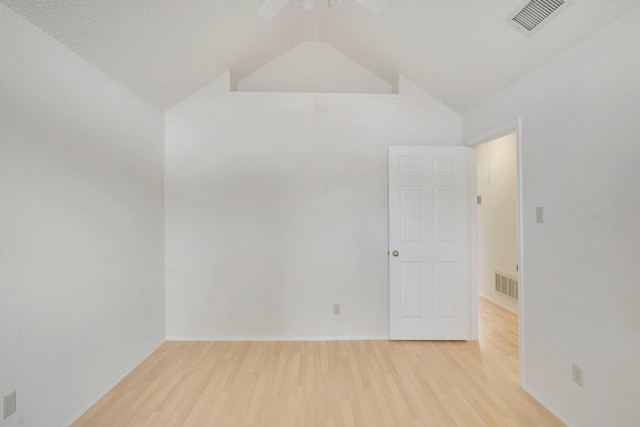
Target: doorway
510, 128
497, 221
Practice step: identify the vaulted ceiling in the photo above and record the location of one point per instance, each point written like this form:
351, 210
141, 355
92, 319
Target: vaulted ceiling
462, 51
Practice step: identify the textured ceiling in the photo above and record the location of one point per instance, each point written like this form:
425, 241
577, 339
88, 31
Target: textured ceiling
462, 51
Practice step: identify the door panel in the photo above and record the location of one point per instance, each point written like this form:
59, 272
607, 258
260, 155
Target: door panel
411, 212
411, 292
429, 243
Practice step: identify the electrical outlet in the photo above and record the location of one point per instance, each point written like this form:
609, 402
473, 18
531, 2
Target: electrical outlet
577, 375
336, 309
9, 405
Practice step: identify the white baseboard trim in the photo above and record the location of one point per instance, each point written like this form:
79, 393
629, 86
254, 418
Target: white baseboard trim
264, 339
548, 407
112, 385
496, 301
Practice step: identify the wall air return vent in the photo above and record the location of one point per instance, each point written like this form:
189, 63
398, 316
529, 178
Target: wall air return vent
532, 15
506, 285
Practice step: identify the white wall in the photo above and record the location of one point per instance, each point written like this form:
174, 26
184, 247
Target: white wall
497, 178
81, 228
275, 211
314, 67
581, 150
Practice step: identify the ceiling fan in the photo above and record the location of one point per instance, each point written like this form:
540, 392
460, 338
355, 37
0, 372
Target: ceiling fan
271, 8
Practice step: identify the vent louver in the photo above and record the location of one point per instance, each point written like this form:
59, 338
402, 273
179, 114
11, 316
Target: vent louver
506, 285
533, 14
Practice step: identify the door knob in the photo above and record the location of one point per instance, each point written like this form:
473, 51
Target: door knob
395, 253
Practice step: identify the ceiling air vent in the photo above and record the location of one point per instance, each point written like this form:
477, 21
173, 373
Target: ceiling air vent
533, 14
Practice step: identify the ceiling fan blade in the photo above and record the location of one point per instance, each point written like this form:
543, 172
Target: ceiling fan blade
271, 8
374, 6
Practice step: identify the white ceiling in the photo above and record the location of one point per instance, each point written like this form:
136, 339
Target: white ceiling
460, 51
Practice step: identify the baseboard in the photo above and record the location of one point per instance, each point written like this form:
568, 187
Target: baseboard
112, 385
498, 302
548, 407
262, 338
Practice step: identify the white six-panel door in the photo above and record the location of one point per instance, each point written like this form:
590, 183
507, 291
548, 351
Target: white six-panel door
429, 245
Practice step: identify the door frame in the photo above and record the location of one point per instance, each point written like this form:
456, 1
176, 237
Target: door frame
514, 126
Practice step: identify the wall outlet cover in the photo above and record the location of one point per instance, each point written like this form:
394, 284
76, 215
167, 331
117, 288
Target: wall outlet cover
9, 405
577, 375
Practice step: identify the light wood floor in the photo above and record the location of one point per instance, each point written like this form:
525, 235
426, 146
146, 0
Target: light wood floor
329, 384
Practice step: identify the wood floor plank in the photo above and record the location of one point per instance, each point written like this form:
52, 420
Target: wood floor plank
332, 384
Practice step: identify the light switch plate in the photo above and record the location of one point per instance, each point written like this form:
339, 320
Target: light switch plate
539, 215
